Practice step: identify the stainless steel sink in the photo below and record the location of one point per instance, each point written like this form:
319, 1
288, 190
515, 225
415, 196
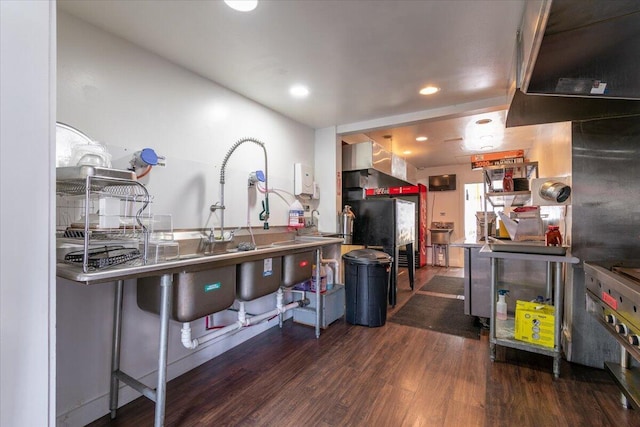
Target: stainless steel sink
195, 243
297, 268
258, 278
195, 294
190, 256
286, 243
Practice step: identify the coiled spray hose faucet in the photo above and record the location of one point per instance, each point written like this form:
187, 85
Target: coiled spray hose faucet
264, 215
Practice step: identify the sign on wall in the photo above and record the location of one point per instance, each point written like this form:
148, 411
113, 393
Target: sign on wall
500, 158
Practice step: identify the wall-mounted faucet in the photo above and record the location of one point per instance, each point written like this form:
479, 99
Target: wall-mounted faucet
264, 215
313, 221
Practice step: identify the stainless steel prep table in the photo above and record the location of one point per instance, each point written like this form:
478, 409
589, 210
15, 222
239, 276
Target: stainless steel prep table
476, 278
166, 270
555, 282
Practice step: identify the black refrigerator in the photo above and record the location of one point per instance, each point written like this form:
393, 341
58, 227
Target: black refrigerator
387, 224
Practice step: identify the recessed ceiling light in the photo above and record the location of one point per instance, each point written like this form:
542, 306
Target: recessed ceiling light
242, 5
483, 121
421, 138
406, 152
429, 90
299, 91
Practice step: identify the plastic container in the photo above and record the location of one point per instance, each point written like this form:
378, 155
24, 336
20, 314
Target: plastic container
553, 237
92, 154
296, 215
330, 278
501, 307
323, 279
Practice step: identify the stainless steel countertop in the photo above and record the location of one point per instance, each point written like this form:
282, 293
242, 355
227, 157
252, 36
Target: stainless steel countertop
487, 252
127, 271
467, 243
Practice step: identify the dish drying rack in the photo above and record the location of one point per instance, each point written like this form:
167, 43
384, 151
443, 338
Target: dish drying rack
103, 214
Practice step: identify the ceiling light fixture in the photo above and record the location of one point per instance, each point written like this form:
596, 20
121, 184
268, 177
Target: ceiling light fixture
242, 5
406, 152
299, 91
429, 90
421, 138
483, 121
486, 147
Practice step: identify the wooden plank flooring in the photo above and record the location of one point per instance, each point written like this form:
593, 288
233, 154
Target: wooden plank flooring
393, 375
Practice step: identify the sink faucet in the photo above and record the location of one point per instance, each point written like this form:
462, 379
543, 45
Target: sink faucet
264, 215
313, 221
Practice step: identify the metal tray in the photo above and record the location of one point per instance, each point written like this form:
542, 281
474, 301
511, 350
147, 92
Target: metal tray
70, 173
528, 248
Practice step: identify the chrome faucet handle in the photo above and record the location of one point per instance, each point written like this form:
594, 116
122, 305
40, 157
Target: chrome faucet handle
214, 207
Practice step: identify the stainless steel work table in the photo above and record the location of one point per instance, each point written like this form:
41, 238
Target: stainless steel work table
166, 270
504, 336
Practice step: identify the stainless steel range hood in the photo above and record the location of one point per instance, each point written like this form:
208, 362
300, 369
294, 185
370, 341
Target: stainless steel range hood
587, 65
367, 164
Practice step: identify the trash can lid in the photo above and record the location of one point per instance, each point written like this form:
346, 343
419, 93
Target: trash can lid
367, 256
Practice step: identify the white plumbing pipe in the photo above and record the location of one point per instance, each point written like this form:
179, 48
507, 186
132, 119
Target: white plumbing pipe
243, 321
253, 320
193, 343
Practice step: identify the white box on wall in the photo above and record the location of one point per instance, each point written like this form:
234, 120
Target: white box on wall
302, 180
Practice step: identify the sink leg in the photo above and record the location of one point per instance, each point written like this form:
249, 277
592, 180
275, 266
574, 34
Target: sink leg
115, 348
280, 305
317, 273
166, 284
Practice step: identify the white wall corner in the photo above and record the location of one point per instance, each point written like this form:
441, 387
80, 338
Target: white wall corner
326, 158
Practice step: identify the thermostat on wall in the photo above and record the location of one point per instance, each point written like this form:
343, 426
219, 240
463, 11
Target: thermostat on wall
302, 180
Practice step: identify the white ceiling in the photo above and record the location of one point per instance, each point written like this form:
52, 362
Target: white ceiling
363, 61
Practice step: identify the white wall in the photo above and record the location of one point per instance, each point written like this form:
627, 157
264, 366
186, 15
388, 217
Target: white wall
326, 156
128, 99
27, 271
552, 149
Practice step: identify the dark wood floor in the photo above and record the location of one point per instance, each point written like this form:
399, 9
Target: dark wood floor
388, 376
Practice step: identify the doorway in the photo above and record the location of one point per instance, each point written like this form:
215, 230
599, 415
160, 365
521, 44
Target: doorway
473, 202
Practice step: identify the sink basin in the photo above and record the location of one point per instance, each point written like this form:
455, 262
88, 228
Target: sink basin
195, 294
258, 278
297, 268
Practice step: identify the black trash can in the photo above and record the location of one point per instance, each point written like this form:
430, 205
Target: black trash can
366, 283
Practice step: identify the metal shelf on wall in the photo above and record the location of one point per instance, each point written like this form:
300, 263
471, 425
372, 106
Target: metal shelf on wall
493, 176
508, 198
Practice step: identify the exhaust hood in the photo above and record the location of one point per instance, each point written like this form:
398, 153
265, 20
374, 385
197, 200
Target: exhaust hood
588, 57
380, 167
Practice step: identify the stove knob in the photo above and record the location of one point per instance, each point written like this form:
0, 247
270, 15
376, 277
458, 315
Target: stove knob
622, 329
634, 340
610, 318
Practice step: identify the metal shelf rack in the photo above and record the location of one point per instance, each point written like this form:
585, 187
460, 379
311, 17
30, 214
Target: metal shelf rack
113, 216
502, 332
494, 174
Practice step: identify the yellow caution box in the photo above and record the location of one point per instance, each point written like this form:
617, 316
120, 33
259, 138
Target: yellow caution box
535, 323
